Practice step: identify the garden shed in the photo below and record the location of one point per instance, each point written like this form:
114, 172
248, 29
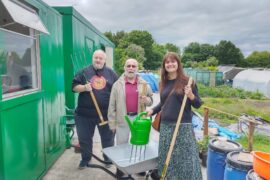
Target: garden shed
229, 72
253, 80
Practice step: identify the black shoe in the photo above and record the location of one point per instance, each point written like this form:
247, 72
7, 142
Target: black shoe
154, 175
119, 173
83, 164
142, 173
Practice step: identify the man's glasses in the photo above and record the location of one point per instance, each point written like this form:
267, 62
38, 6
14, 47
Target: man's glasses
129, 66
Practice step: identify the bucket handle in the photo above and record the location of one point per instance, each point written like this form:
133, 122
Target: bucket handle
142, 114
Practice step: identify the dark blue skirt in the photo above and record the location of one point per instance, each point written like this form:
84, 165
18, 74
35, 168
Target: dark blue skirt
184, 163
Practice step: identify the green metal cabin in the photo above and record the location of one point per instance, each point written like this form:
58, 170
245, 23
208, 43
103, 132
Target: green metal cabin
36, 42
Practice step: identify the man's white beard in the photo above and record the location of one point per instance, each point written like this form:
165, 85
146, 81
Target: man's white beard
98, 66
130, 74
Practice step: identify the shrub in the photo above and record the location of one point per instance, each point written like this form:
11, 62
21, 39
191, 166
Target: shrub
225, 91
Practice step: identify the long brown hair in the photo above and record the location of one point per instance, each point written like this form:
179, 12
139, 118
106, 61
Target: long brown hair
181, 78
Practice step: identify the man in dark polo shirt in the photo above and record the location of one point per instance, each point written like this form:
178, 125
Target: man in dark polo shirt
129, 96
99, 79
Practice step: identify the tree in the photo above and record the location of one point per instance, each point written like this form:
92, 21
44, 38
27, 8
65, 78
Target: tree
191, 51
143, 39
172, 48
187, 57
212, 61
158, 51
133, 43
259, 59
192, 48
207, 51
196, 52
120, 57
159, 48
115, 38
132, 51
227, 53
136, 52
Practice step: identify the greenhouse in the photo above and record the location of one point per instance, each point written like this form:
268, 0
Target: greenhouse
253, 80
208, 78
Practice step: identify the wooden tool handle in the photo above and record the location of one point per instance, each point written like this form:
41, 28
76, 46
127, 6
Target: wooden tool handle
144, 88
164, 171
97, 108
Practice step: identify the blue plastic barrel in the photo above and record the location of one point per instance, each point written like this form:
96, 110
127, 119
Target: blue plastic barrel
236, 168
217, 152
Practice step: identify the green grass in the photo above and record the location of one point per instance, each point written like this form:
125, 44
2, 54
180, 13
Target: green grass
260, 142
236, 107
236, 102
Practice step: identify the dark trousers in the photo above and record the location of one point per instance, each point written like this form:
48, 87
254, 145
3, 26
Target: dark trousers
85, 129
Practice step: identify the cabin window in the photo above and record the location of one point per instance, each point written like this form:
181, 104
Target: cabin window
19, 48
18, 63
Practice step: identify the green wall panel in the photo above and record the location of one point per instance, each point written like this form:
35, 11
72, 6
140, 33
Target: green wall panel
1, 151
23, 141
53, 81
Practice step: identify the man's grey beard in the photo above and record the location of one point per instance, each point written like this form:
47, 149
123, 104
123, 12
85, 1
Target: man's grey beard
130, 74
98, 66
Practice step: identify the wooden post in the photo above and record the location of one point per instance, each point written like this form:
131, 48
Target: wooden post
250, 136
205, 122
239, 126
252, 123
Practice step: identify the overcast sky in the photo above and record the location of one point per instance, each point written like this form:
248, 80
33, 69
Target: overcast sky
244, 22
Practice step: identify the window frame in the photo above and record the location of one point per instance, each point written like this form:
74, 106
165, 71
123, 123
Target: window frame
37, 64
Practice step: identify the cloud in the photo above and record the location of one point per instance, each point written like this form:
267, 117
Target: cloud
244, 22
